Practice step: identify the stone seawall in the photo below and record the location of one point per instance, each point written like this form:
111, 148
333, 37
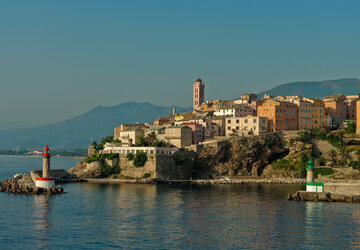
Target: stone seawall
343, 188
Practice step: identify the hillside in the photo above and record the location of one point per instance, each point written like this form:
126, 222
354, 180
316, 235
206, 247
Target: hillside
348, 86
78, 131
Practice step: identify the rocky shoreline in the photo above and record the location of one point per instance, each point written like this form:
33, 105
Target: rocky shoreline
327, 197
22, 184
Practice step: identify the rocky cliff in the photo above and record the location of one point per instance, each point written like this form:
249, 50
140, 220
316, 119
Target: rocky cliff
240, 156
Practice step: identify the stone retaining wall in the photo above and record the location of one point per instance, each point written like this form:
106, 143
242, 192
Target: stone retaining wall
343, 188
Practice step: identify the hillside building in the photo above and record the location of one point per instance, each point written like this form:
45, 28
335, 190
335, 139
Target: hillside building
198, 94
245, 126
281, 115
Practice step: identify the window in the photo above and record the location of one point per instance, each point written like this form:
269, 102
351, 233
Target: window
245, 120
254, 121
237, 121
229, 128
229, 121
237, 128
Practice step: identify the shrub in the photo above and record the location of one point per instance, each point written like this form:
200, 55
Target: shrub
146, 175
304, 136
355, 164
160, 144
111, 156
269, 143
323, 171
179, 159
140, 159
92, 159
321, 161
350, 128
298, 166
105, 170
130, 156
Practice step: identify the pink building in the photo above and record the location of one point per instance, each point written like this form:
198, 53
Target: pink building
198, 93
197, 131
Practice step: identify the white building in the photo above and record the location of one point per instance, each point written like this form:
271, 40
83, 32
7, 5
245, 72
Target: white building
236, 110
244, 126
114, 148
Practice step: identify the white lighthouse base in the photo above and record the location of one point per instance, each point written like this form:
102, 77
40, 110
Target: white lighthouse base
315, 187
45, 182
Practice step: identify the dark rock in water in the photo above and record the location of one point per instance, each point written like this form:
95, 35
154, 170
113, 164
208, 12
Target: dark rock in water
327, 197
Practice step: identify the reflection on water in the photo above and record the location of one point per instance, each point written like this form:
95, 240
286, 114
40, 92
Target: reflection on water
172, 216
42, 219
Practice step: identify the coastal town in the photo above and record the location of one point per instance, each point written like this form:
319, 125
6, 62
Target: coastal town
214, 121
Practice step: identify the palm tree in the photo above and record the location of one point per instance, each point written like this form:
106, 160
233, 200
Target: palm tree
332, 155
151, 138
345, 156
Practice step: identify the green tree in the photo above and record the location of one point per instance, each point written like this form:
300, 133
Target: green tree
141, 141
350, 128
140, 159
344, 156
159, 144
234, 133
151, 138
332, 156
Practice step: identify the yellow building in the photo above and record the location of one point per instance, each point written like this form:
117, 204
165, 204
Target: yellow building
317, 112
183, 116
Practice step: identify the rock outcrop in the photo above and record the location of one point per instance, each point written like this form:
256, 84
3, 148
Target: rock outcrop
22, 184
240, 156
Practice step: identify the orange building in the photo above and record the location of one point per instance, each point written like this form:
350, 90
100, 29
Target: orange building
317, 112
336, 108
358, 117
281, 115
304, 113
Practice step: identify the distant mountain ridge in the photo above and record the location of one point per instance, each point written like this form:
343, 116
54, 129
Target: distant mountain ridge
77, 132
347, 86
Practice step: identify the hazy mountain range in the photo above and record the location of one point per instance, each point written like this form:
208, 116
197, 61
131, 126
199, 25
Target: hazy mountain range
99, 122
78, 131
347, 86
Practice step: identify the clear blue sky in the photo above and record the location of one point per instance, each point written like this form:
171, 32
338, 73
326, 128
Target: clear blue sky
59, 59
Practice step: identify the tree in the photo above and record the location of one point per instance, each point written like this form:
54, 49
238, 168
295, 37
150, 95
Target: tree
140, 159
350, 128
332, 155
151, 138
234, 133
94, 144
344, 155
159, 144
141, 141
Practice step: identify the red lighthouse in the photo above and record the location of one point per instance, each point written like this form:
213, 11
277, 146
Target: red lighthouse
45, 181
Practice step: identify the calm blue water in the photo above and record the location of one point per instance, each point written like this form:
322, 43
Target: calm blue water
169, 216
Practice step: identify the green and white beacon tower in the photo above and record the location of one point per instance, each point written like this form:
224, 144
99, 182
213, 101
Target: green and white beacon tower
312, 186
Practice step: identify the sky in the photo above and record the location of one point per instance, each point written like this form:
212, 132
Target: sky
59, 59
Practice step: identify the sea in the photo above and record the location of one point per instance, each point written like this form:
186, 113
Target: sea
169, 216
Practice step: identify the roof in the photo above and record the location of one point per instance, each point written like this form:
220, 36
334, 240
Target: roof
333, 96
179, 126
156, 128
163, 119
191, 123
199, 80
130, 129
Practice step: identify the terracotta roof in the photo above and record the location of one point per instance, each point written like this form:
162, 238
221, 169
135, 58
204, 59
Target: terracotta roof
163, 119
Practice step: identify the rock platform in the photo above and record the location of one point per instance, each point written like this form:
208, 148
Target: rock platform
23, 184
327, 197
